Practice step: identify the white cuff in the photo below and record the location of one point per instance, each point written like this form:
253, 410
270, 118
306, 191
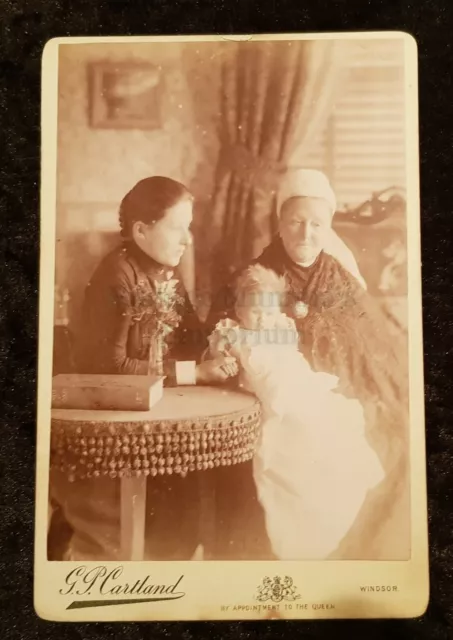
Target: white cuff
186, 372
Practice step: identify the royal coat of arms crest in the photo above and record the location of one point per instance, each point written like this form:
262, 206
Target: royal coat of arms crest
277, 590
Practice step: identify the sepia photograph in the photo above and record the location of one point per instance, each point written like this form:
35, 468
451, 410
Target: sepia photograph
230, 343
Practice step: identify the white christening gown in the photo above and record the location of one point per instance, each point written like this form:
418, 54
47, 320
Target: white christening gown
313, 466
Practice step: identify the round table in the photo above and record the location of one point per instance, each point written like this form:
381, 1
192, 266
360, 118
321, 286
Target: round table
190, 428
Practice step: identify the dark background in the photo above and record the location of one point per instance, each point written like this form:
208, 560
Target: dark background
24, 29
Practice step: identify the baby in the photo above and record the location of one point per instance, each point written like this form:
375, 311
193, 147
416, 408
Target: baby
313, 465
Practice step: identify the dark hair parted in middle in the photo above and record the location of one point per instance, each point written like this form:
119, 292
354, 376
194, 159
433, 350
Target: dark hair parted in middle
148, 201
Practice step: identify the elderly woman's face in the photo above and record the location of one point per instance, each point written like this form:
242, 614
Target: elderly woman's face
304, 226
166, 240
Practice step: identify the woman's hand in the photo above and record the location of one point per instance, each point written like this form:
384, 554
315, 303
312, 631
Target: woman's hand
216, 370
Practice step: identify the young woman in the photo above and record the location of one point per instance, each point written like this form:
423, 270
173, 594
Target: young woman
134, 294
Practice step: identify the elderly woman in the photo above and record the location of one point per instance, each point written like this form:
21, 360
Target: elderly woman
342, 332
122, 309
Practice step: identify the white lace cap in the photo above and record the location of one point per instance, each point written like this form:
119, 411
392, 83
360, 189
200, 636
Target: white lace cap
308, 183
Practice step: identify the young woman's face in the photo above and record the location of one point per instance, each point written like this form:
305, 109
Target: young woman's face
304, 225
166, 240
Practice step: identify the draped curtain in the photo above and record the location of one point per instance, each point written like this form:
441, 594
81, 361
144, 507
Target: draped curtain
276, 96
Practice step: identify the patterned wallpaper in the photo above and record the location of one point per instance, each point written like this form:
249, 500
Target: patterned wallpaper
100, 165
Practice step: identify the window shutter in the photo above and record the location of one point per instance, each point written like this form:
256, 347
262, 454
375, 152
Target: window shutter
362, 148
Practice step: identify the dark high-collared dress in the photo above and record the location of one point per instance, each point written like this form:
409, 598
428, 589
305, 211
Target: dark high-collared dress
116, 330
114, 336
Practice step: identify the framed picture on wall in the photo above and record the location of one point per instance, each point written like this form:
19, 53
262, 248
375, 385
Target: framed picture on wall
124, 95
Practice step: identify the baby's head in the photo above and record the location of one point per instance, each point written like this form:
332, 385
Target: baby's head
260, 294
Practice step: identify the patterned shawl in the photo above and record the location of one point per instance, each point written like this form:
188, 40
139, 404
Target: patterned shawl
343, 331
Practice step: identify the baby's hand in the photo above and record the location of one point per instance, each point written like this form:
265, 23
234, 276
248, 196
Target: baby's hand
223, 338
233, 350
218, 344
